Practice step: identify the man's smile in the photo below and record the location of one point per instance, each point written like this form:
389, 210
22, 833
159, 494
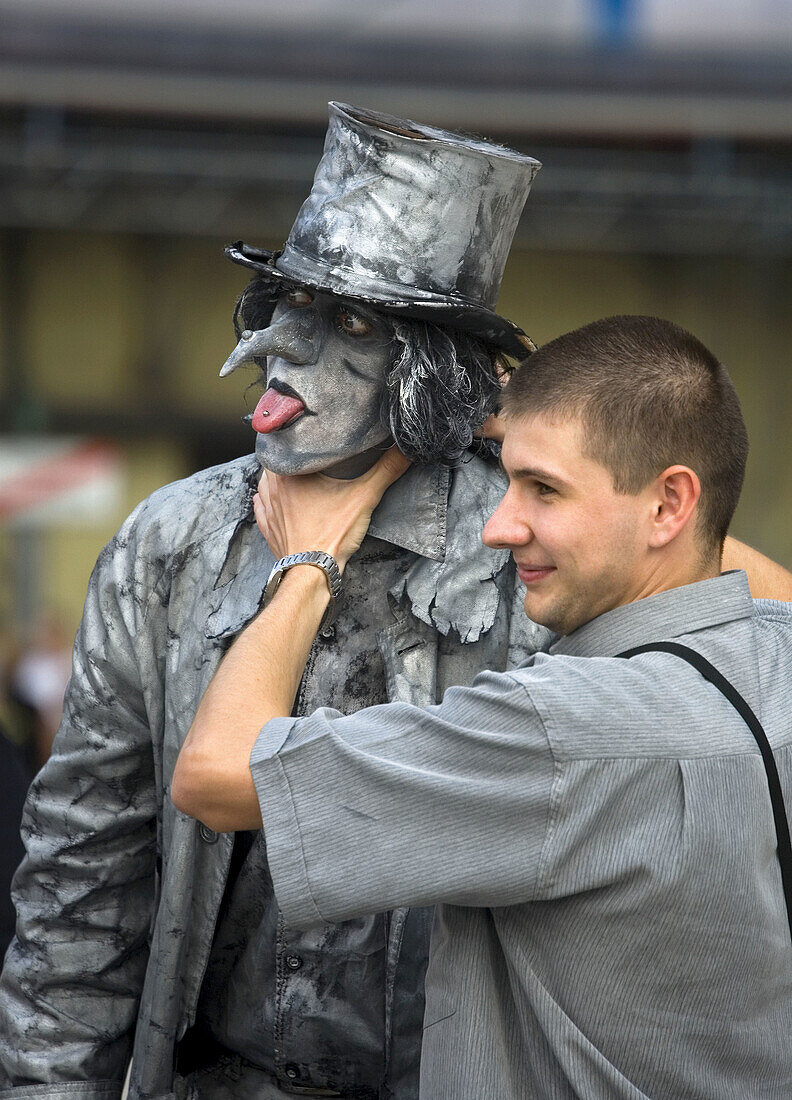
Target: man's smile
530, 573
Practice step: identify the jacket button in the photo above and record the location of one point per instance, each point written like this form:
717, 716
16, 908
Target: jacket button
294, 962
328, 634
208, 835
291, 1072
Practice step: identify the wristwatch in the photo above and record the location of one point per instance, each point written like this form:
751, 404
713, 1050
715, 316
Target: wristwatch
320, 560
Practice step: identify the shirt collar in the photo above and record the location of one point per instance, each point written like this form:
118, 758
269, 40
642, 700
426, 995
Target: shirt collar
661, 617
412, 514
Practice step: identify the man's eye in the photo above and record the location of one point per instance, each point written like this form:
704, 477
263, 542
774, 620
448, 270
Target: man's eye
544, 490
297, 297
352, 323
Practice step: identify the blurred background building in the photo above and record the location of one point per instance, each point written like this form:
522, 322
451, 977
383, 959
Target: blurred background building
138, 137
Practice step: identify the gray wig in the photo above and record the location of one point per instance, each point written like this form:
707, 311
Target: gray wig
442, 384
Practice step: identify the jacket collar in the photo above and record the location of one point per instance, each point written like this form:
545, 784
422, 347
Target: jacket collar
461, 591
412, 514
661, 617
450, 585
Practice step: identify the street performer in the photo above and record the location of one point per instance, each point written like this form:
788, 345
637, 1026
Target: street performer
375, 323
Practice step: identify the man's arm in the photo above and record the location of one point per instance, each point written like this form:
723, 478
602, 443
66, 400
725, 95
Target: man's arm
403, 805
256, 681
767, 579
259, 676
348, 802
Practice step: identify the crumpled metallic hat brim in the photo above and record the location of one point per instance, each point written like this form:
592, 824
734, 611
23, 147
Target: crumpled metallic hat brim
442, 309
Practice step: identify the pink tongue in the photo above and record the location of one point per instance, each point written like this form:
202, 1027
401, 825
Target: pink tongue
274, 410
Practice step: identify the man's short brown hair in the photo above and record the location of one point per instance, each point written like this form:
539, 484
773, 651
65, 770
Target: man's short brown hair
649, 396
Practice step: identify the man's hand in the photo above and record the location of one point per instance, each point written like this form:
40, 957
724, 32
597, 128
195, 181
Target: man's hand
767, 579
315, 512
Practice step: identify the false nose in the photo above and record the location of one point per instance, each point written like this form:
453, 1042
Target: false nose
295, 337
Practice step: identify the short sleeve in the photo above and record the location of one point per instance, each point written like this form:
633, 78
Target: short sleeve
401, 805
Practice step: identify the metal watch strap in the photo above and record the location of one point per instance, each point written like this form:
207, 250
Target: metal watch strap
320, 560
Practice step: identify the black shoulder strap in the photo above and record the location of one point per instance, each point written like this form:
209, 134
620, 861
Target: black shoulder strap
709, 672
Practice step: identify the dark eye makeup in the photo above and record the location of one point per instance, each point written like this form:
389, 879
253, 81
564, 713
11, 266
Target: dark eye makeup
352, 323
298, 296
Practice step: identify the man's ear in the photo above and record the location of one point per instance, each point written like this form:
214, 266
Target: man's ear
674, 497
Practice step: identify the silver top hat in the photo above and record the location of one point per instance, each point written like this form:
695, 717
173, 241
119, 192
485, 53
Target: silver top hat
410, 219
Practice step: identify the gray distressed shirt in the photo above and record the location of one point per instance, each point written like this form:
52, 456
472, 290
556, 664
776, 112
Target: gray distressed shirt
119, 893
599, 837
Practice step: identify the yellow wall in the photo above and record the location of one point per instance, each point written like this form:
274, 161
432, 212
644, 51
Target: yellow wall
113, 322
82, 326
70, 554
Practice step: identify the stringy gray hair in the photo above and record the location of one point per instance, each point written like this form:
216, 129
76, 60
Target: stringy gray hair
442, 383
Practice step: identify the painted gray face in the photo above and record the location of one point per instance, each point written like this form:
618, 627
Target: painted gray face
332, 356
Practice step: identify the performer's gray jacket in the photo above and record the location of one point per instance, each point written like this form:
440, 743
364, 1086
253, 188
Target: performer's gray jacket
119, 894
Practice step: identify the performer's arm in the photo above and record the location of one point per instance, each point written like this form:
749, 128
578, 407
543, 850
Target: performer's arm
767, 579
85, 891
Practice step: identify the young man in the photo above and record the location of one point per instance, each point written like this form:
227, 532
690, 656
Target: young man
596, 831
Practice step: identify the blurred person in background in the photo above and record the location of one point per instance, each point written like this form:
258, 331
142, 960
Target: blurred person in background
15, 776
14, 782
37, 681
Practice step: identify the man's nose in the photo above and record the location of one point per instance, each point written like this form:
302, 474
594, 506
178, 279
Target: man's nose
508, 526
295, 337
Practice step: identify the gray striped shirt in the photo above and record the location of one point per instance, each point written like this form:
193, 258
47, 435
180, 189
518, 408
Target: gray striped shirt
597, 834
